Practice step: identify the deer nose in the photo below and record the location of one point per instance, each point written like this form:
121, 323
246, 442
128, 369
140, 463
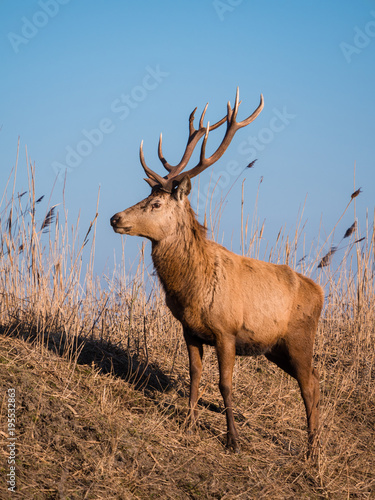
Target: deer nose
114, 220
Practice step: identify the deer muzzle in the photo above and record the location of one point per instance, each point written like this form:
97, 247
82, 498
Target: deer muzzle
119, 225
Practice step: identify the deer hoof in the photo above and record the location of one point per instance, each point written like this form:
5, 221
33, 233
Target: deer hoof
232, 445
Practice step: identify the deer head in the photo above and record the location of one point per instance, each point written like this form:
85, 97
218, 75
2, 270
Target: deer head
157, 215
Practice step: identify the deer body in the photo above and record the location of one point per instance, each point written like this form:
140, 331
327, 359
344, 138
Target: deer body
237, 304
210, 289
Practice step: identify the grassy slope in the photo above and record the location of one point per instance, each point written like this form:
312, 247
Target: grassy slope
86, 434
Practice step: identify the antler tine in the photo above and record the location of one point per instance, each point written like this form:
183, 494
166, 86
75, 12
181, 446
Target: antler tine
229, 113
191, 122
236, 104
252, 117
202, 116
203, 148
153, 178
232, 113
167, 166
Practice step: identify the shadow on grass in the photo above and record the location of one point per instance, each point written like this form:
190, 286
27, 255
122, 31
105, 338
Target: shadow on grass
102, 355
149, 378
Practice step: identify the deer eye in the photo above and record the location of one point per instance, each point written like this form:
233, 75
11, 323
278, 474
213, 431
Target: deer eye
156, 205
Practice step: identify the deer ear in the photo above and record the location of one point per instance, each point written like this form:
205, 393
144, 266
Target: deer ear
183, 189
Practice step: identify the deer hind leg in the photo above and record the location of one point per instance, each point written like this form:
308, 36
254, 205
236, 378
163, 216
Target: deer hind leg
226, 352
310, 394
294, 356
195, 351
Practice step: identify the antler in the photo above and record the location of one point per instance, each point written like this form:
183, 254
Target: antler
175, 173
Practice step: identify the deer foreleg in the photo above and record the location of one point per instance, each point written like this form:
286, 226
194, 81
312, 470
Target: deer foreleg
195, 350
226, 352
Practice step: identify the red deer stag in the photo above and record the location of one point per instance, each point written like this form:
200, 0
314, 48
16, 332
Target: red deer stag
237, 304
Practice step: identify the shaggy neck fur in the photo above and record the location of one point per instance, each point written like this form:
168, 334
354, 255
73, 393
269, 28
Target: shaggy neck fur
184, 258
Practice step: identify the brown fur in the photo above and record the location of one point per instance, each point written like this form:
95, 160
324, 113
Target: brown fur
237, 304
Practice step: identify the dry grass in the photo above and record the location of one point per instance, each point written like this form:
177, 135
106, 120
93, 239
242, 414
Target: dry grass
101, 381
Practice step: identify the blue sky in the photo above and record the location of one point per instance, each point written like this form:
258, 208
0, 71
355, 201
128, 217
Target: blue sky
82, 83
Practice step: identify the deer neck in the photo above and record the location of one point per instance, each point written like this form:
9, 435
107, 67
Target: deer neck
183, 260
